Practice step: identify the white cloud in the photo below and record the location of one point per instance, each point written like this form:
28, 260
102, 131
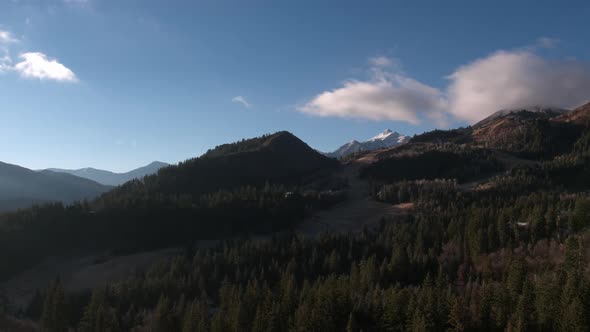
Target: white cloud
34, 64
511, 79
501, 80
241, 100
38, 65
386, 96
7, 37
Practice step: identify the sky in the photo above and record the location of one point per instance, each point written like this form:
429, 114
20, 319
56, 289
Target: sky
116, 84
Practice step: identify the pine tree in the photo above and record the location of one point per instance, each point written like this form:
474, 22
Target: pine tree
162, 318
573, 318
99, 315
457, 316
352, 325
581, 216
54, 317
547, 290
516, 276
574, 257
524, 309
195, 318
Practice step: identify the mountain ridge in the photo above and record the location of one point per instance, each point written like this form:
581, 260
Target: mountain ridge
526, 112
21, 187
112, 178
272, 157
579, 116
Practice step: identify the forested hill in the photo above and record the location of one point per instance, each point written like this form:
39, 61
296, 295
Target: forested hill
234, 189
275, 158
536, 132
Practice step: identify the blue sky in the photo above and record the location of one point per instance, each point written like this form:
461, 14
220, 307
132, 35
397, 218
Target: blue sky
116, 84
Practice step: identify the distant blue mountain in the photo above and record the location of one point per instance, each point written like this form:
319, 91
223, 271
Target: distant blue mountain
21, 187
111, 178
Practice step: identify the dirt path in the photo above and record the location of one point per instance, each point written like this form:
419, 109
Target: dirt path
358, 211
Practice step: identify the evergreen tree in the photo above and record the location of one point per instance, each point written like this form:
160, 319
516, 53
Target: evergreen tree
162, 319
54, 317
457, 316
99, 315
573, 318
352, 325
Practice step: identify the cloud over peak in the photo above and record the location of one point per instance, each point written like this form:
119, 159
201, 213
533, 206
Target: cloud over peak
508, 79
38, 66
504, 79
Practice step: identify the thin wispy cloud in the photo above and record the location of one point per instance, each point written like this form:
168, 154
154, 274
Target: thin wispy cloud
5, 63
76, 1
242, 101
6, 37
501, 80
37, 65
381, 61
547, 42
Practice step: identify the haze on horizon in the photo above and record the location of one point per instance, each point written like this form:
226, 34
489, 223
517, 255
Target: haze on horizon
116, 85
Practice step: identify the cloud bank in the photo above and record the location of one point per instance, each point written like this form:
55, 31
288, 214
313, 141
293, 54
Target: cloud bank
501, 80
516, 79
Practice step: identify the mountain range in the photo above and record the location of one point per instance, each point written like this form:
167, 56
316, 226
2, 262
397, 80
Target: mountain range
21, 187
276, 182
110, 178
386, 139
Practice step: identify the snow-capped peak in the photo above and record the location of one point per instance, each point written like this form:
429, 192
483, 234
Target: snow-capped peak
384, 135
387, 138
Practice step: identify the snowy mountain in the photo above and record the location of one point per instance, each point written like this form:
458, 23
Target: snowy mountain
386, 139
